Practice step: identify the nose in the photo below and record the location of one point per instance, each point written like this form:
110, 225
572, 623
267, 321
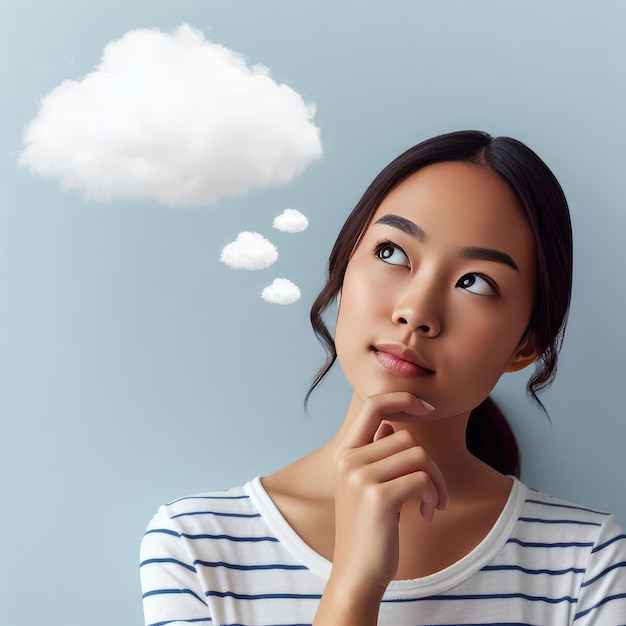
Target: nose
418, 308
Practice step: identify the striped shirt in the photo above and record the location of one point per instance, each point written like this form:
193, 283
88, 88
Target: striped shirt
230, 558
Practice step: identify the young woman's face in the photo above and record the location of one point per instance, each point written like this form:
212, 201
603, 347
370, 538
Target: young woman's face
439, 291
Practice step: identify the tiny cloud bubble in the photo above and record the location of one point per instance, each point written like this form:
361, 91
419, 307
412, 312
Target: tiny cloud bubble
250, 251
171, 117
281, 291
291, 221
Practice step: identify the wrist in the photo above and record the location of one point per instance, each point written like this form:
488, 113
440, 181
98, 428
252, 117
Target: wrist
349, 603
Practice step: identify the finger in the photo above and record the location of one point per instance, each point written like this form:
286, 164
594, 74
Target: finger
394, 454
427, 510
413, 487
384, 430
411, 461
376, 408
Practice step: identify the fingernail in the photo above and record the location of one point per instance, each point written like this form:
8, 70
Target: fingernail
426, 405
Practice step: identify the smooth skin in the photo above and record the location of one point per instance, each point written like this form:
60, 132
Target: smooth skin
445, 273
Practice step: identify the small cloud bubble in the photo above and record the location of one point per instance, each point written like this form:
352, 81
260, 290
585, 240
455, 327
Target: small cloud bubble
281, 291
250, 251
171, 117
291, 221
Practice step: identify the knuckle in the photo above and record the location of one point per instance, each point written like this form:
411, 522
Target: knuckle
406, 438
424, 486
375, 494
347, 466
342, 460
421, 479
417, 455
356, 480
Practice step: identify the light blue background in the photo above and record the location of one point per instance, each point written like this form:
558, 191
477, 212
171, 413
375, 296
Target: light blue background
135, 368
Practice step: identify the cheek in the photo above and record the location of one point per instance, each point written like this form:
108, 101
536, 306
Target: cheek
470, 369
352, 306
488, 346
362, 308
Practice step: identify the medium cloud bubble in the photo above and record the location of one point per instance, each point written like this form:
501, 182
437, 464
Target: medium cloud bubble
291, 221
173, 118
250, 251
281, 291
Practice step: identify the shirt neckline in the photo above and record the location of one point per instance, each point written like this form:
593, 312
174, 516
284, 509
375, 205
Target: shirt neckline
433, 584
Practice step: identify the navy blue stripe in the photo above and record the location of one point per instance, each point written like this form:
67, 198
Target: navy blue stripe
491, 596
619, 596
187, 536
249, 567
217, 513
566, 506
606, 571
558, 521
608, 543
532, 544
195, 620
229, 538
168, 560
519, 568
215, 497
165, 531
159, 592
264, 596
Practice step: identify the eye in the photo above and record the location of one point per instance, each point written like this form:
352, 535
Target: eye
478, 284
391, 253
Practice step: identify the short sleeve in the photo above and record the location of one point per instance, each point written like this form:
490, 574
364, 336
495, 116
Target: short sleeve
602, 597
171, 588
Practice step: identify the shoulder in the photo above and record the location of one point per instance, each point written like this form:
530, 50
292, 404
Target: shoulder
188, 527
201, 510
589, 543
544, 518
543, 509
233, 498
551, 509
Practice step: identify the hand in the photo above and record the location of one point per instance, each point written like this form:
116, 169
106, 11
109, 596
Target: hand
377, 470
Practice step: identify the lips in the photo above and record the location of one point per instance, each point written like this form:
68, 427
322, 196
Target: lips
400, 361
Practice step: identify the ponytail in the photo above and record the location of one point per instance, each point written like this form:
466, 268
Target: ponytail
490, 438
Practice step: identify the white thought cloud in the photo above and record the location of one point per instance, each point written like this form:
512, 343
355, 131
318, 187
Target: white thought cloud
291, 221
250, 251
281, 291
174, 118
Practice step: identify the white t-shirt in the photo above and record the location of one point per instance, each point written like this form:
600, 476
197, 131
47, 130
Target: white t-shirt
231, 558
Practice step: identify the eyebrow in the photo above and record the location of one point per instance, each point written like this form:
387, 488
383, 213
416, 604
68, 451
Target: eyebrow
489, 254
407, 226
471, 252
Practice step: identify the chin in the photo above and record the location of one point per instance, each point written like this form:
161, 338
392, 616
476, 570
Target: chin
381, 386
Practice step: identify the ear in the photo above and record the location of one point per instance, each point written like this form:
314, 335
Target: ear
525, 354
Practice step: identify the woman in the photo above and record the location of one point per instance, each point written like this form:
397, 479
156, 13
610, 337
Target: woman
455, 267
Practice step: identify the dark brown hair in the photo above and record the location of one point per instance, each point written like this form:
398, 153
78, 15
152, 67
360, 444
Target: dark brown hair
489, 437
541, 199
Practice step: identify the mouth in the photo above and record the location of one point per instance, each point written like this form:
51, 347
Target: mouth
400, 361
